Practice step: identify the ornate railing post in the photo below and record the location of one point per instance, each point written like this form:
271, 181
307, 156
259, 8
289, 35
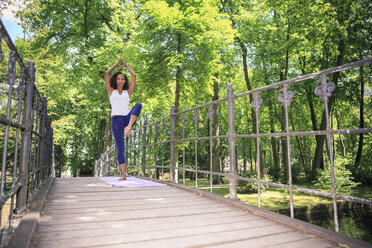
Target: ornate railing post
26, 137
324, 91
144, 149
285, 99
172, 143
232, 140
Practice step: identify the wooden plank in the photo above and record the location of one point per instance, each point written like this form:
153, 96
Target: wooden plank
284, 240
150, 223
169, 238
89, 213
169, 226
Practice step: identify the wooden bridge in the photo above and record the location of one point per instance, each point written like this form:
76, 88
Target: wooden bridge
87, 212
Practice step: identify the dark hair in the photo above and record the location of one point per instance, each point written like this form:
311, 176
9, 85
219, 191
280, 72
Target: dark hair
114, 84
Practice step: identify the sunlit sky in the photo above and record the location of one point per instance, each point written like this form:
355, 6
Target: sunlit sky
11, 22
14, 30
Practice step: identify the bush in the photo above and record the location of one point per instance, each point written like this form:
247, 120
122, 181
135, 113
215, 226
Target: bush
343, 179
245, 187
363, 173
274, 172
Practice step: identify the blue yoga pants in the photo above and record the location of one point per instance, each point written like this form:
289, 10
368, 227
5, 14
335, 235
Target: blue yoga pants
118, 123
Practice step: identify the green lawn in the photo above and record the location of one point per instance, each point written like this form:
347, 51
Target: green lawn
276, 198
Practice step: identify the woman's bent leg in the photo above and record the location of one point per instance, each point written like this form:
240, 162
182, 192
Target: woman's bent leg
134, 113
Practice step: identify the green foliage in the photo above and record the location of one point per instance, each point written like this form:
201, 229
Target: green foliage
245, 187
73, 44
343, 180
362, 172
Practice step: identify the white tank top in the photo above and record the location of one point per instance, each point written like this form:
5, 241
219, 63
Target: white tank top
119, 103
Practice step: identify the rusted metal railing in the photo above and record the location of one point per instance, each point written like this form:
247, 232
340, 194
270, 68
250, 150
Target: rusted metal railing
166, 144
27, 160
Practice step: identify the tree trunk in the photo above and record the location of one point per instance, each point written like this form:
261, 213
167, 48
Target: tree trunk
309, 96
358, 157
341, 140
249, 87
318, 156
298, 143
273, 143
251, 157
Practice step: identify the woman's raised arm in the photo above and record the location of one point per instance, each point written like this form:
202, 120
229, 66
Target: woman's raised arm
132, 80
107, 77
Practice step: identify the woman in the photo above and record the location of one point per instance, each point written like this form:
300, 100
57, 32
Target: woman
122, 119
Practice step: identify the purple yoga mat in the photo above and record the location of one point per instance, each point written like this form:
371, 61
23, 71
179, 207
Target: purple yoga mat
130, 182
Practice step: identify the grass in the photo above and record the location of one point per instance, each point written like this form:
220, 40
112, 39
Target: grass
275, 199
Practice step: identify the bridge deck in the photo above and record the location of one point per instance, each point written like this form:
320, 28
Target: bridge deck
86, 212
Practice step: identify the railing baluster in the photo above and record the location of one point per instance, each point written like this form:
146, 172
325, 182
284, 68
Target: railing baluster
156, 150
210, 116
324, 91
134, 153
139, 164
144, 150
196, 120
232, 139
183, 121
11, 79
256, 104
162, 152
35, 120
127, 152
172, 144
149, 145
285, 98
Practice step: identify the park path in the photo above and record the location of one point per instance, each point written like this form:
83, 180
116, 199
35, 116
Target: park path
86, 212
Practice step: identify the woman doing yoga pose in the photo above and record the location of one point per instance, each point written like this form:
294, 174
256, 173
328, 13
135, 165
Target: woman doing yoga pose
122, 119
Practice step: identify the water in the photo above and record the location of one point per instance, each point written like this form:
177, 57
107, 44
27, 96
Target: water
355, 219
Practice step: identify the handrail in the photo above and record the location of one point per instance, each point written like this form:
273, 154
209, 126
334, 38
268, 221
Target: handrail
27, 161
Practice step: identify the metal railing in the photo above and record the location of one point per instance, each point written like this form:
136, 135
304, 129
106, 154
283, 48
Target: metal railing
155, 154
26, 135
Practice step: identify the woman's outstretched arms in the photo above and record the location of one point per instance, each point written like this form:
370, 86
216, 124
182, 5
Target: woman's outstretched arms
132, 80
107, 77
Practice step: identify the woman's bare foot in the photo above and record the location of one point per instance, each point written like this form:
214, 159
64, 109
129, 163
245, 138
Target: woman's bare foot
123, 178
127, 130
